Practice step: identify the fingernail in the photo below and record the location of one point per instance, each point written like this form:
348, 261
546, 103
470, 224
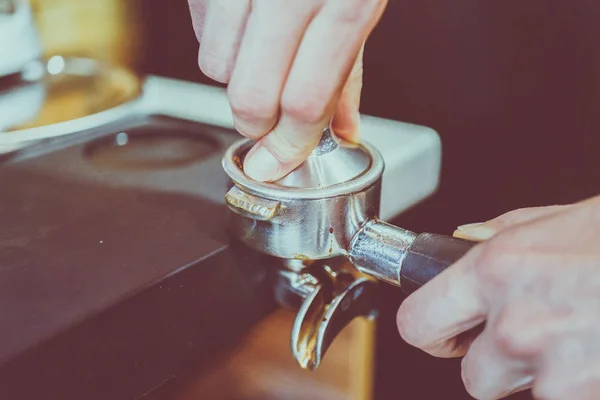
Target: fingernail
244, 129
477, 231
261, 165
469, 226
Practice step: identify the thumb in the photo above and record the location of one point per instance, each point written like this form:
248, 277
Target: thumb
486, 230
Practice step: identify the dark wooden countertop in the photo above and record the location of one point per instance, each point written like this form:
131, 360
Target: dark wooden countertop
112, 283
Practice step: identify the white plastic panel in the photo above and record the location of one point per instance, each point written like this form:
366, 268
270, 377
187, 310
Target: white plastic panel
412, 153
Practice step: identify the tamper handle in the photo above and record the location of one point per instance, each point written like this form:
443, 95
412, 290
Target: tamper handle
429, 255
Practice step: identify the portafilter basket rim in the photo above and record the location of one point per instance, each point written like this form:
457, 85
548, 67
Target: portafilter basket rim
232, 161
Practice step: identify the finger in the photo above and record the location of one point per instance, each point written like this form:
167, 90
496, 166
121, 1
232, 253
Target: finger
264, 61
321, 68
590, 200
487, 230
346, 120
528, 324
449, 305
198, 14
456, 346
489, 374
223, 27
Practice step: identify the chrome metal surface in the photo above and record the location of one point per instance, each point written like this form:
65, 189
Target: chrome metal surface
329, 299
285, 222
327, 207
378, 250
292, 288
312, 222
301, 229
333, 161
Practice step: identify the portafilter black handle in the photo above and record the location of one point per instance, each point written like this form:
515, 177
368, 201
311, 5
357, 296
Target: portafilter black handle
403, 258
429, 255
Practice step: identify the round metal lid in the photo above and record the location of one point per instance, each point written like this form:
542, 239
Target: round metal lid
332, 162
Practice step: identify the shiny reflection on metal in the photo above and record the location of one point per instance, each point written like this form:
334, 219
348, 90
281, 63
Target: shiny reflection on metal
303, 229
332, 299
292, 288
349, 159
122, 139
55, 65
305, 223
259, 209
297, 265
312, 228
378, 249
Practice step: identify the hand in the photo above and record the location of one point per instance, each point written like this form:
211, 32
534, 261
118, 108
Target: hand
291, 66
535, 283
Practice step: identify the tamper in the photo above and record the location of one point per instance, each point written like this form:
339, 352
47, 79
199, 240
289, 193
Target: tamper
325, 210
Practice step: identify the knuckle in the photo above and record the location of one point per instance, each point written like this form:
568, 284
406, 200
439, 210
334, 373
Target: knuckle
496, 260
357, 11
213, 66
405, 324
308, 106
250, 104
288, 148
511, 339
489, 264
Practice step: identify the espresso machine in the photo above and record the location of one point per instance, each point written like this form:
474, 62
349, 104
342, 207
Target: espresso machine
128, 224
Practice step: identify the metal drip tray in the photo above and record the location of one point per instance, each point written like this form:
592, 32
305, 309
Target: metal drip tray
149, 148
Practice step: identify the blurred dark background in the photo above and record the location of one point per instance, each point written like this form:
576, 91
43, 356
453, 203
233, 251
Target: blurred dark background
513, 89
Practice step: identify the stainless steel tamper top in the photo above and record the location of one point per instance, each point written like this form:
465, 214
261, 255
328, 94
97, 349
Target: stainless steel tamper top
328, 207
